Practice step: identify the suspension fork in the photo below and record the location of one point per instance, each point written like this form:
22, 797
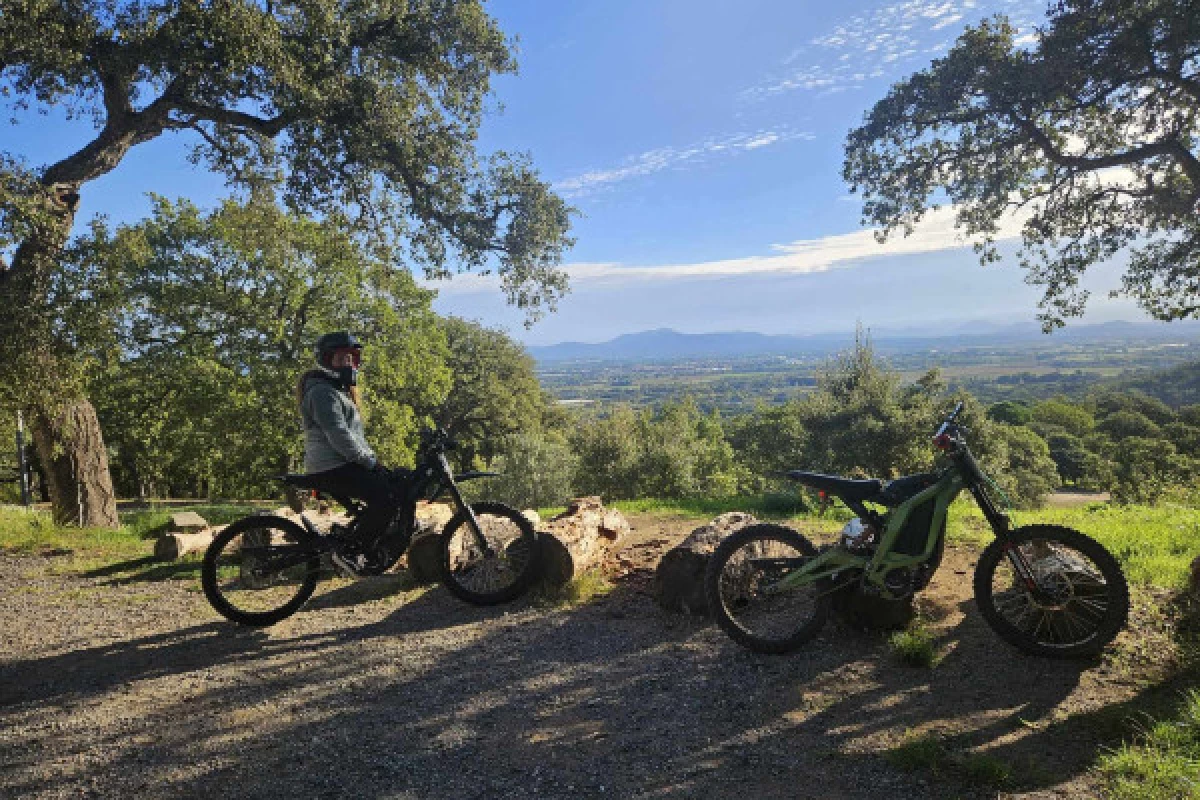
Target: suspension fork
472, 521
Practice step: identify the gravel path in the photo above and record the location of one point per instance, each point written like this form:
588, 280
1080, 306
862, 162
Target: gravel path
112, 689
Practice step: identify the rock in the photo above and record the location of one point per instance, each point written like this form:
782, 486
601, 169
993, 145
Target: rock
679, 579
187, 521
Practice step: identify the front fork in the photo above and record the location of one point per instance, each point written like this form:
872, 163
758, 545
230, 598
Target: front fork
472, 521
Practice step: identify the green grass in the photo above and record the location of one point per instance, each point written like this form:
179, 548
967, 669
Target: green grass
918, 752
915, 646
577, 591
927, 753
1154, 544
1164, 762
120, 555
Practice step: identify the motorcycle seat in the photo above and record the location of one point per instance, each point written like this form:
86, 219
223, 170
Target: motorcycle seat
845, 488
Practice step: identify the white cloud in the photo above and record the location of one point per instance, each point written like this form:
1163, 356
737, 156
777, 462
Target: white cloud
936, 233
663, 158
883, 40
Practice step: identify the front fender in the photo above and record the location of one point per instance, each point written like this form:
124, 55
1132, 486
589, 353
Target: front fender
470, 476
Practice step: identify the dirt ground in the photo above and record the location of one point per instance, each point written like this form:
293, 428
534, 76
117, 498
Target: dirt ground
138, 689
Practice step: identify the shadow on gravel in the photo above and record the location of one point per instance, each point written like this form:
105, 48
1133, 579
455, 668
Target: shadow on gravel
615, 698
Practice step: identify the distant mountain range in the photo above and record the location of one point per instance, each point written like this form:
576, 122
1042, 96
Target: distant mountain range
665, 344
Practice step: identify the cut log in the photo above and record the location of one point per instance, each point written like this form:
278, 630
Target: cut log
579, 538
679, 579
425, 551
175, 545
187, 521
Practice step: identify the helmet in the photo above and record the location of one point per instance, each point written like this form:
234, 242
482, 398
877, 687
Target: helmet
328, 344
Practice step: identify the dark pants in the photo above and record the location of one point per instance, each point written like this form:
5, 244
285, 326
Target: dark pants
356, 482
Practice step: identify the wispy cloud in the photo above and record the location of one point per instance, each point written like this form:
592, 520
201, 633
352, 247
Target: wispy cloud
872, 44
936, 233
665, 158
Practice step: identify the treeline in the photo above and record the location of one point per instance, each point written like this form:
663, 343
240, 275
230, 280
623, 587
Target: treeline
861, 420
192, 328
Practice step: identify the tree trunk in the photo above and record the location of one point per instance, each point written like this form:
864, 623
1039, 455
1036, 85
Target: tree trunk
66, 432
70, 445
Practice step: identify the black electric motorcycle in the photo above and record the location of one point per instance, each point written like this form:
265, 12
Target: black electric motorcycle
263, 568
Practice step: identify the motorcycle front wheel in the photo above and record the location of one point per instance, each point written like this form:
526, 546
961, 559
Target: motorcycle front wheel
1077, 601
505, 570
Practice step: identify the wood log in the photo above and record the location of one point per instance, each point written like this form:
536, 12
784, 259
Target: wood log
579, 538
176, 545
425, 551
679, 578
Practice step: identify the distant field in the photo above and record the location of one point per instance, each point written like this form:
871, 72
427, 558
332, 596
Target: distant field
736, 384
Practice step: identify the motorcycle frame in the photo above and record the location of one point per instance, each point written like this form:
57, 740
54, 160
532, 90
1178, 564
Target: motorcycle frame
962, 473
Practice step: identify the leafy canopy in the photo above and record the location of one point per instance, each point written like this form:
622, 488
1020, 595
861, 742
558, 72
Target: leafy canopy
367, 108
1091, 137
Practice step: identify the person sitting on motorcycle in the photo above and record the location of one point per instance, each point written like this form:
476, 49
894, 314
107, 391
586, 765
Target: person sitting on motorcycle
335, 449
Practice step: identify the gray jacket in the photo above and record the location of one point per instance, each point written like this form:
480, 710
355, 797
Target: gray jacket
333, 429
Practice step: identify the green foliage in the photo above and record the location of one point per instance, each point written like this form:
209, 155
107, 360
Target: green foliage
1144, 469
1010, 413
915, 646
1163, 763
1092, 130
210, 319
1026, 471
535, 471
676, 451
358, 106
494, 391
1062, 414
1123, 424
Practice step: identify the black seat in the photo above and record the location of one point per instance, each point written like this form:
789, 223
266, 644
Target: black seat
314, 482
300, 480
845, 488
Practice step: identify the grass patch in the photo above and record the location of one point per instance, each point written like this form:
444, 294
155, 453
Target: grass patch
121, 555
575, 592
1163, 762
1154, 544
918, 752
981, 769
915, 646
927, 753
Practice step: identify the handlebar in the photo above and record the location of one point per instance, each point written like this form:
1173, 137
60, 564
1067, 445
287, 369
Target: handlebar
437, 439
947, 434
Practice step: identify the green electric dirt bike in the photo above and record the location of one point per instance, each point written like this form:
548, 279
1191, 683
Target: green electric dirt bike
1049, 590
264, 568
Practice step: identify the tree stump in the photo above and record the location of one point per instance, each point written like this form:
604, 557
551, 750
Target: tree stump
679, 579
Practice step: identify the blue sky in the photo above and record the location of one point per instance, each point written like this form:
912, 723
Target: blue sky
701, 142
